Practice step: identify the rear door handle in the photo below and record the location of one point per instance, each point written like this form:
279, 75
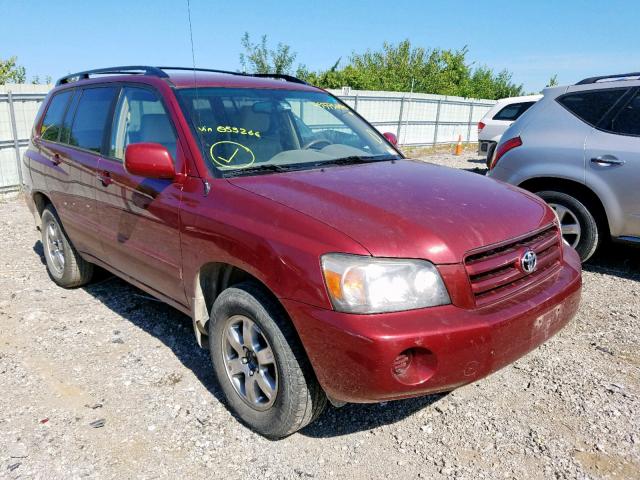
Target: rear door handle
105, 178
56, 160
607, 160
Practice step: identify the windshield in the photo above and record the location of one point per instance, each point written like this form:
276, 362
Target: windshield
242, 131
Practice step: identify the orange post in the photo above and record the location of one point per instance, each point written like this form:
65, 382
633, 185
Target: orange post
458, 150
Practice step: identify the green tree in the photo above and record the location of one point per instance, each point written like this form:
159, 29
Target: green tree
258, 58
398, 67
553, 81
36, 80
11, 72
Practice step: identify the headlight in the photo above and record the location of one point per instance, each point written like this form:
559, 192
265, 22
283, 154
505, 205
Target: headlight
359, 284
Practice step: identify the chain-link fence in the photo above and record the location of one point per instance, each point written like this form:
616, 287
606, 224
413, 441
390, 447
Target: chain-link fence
415, 118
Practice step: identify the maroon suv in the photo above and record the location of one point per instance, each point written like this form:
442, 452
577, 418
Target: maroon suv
315, 260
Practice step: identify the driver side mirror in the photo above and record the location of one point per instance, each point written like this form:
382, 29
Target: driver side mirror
393, 140
150, 160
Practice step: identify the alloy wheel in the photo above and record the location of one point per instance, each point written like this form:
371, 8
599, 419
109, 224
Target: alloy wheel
569, 224
249, 362
55, 247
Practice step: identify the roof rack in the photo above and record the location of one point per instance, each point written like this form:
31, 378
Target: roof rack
160, 72
132, 69
620, 76
278, 76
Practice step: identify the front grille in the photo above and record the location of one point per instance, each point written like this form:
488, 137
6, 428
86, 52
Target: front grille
495, 273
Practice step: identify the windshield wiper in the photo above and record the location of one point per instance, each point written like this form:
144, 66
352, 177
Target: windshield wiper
275, 168
354, 159
265, 168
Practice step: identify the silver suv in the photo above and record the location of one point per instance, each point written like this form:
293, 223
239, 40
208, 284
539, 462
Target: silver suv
579, 149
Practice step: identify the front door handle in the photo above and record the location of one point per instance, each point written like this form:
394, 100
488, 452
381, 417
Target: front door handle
607, 160
56, 160
105, 178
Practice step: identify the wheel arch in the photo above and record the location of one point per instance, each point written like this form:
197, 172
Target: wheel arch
212, 279
575, 189
40, 200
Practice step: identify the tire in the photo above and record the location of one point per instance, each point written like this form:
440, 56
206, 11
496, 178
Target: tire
572, 211
298, 398
490, 151
65, 265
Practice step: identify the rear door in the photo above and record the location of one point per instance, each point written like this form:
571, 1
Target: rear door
74, 155
139, 217
612, 154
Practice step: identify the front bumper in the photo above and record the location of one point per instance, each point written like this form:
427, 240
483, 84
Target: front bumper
353, 355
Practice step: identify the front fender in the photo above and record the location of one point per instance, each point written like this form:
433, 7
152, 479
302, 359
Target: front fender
276, 244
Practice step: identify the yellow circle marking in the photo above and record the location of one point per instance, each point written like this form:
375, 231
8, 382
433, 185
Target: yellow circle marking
241, 157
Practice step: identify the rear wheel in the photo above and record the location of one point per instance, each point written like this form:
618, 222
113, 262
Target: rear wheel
260, 364
64, 264
578, 225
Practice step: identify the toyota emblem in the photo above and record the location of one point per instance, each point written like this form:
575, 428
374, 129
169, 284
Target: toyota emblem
529, 261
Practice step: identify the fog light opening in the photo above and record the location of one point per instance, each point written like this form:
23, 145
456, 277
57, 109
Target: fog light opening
414, 366
402, 362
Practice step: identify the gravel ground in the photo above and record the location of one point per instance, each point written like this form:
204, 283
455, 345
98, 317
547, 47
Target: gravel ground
104, 382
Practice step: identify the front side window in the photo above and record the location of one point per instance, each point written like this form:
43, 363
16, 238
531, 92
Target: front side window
511, 112
140, 117
241, 130
591, 106
52, 122
90, 120
627, 121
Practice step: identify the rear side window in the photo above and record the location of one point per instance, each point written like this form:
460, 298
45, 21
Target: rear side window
90, 120
593, 105
627, 122
140, 117
52, 123
513, 111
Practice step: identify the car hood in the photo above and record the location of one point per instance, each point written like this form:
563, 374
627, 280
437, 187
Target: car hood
407, 208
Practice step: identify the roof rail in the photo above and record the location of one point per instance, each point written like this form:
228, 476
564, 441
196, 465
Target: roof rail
279, 76
620, 76
191, 69
131, 69
160, 72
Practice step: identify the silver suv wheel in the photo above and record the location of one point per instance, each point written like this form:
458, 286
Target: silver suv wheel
569, 224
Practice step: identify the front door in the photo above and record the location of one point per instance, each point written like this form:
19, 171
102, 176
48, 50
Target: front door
139, 216
612, 154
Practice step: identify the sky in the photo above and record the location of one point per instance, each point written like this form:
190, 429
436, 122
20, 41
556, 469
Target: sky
532, 39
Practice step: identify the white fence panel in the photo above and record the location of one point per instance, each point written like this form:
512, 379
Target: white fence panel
419, 119
19, 105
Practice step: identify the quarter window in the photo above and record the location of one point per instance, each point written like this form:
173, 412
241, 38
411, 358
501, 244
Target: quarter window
52, 123
591, 106
140, 117
627, 122
87, 130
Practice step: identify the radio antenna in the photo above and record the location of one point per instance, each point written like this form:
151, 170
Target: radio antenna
193, 59
193, 54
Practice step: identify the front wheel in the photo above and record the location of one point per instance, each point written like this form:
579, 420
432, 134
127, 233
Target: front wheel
260, 364
578, 225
